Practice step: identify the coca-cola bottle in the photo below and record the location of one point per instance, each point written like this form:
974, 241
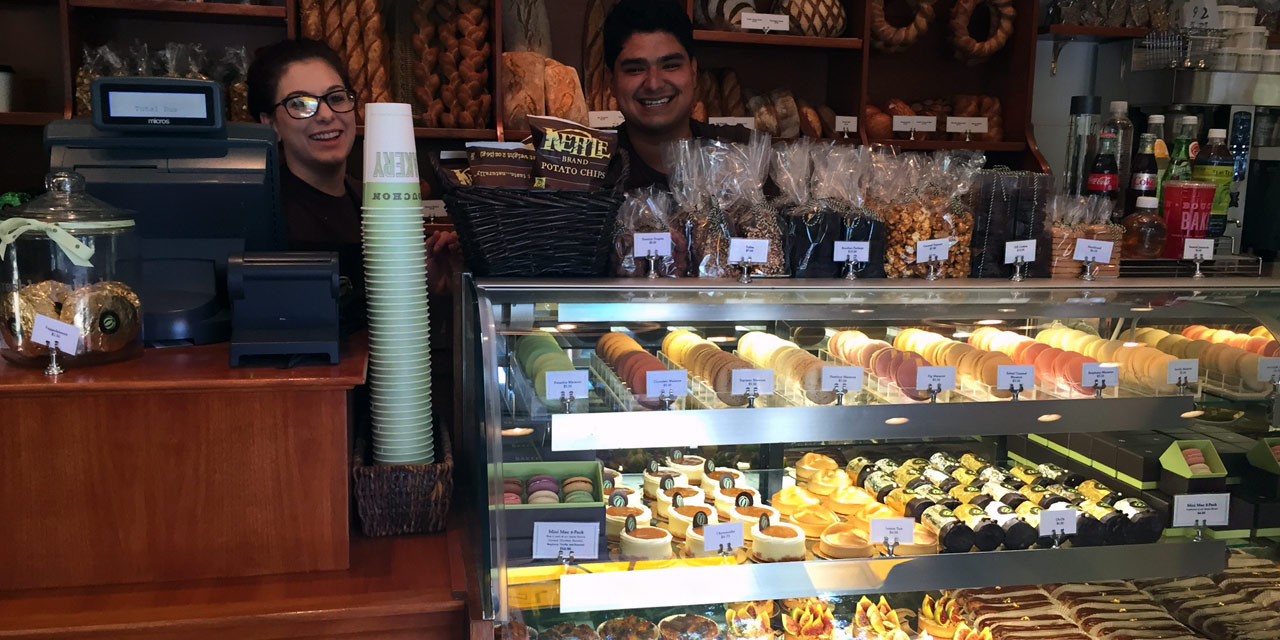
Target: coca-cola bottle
1104, 177
1145, 178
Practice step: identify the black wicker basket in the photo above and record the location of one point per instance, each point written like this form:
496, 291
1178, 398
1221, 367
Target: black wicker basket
508, 232
403, 498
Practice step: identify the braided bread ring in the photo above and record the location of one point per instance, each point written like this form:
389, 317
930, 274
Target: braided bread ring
968, 48
887, 37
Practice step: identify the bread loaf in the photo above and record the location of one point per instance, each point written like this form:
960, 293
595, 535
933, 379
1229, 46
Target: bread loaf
597, 77
332, 10
525, 91
877, 124
726, 15
526, 27
353, 52
765, 114
708, 92
788, 113
564, 93
828, 117
377, 49
731, 95
311, 19
699, 112
810, 123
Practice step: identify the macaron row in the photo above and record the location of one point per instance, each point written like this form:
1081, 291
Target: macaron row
630, 362
539, 353
971, 362
1220, 357
1053, 364
790, 363
544, 489
1195, 460
887, 362
706, 360
1140, 364
1257, 341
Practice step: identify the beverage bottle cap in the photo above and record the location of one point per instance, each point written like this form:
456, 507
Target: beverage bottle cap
1188, 120
1218, 133
1086, 105
1119, 106
1148, 202
1156, 119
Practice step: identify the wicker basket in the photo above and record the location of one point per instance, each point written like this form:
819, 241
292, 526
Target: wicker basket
397, 499
508, 232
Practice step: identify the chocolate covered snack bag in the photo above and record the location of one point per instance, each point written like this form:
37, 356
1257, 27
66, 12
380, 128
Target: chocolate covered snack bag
500, 164
569, 155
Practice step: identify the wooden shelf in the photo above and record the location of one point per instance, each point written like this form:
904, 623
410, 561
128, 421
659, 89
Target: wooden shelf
169, 9
775, 39
28, 118
447, 134
930, 145
1090, 34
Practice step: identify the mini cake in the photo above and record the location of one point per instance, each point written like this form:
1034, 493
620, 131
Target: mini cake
843, 540
791, 498
611, 475
813, 520
633, 495
811, 463
690, 495
695, 544
690, 466
688, 627
646, 543
628, 628
651, 480
711, 479
727, 499
848, 500
748, 621
569, 631
682, 517
751, 515
828, 481
939, 619
615, 518
781, 542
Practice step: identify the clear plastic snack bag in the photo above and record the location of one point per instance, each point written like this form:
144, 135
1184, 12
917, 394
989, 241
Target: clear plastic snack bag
691, 163
809, 229
1075, 218
950, 177
648, 210
91, 68
233, 73
839, 185
741, 179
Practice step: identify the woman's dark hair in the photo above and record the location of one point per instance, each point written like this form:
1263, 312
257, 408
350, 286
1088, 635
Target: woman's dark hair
645, 16
270, 62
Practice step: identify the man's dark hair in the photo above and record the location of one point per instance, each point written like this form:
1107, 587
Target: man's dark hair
270, 62
645, 16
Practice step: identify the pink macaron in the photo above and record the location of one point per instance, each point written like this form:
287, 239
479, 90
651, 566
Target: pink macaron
510, 498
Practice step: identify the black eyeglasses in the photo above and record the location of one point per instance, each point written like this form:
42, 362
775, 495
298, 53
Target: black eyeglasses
303, 106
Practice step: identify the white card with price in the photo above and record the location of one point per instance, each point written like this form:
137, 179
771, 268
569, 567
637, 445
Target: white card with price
930, 250
766, 21
852, 251
674, 383
1268, 369
846, 124
47, 331
847, 379
1201, 14
1201, 248
1061, 520
1025, 249
605, 119
1098, 251
1015, 376
748, 250
1208, 509
924, 124
937, 378
1092, 373
1188, 370
899, 530
966, 125
718, 536
563, 383
742, 380
658, 244
559, 539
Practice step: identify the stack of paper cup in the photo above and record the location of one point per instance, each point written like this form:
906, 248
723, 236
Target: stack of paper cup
396, 279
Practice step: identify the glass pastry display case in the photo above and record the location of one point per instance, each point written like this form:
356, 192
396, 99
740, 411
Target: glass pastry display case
806, 459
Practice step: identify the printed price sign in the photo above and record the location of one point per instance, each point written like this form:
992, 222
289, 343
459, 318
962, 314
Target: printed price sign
562, 383
766, 21
1061, 521
605, 119
760, 381
1268, 369
673, 383
1197, 249
896, 530
846, 124
1201, 14
1096, 250
927, 124
718, 536
1201, 509
559, 539
930, 250
1180, 370
749, 123
853, 251
1025, 249
941, 378
966, 125
658, 244
47, 331
844, 379
1095, 373
748, 250
1015, 376
434, 209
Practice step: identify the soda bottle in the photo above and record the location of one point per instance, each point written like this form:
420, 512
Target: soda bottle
1216, 166
1144, 230
1180, 157
1122, 126
1145, 179
1155, 127
1104, 177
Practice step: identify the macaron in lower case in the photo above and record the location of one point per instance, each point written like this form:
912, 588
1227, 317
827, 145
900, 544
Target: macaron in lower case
578, 485
1200, 469
543, 497
513, 485
568, 481
579, 496
511, 498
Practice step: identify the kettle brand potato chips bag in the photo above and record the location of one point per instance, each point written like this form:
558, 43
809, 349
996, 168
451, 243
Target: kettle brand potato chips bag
569, 155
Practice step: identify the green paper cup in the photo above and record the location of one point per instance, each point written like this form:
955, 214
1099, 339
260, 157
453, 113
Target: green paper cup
390, 157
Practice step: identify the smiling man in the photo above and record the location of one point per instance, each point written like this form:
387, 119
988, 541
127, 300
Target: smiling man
648, 48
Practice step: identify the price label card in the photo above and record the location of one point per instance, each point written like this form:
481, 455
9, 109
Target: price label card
559, 539
748, 250
1201, 14
1095, 373
927, 124
966, 125
766, 21
853, 251
930, 250
658, 244
1268, 368
758, 380
846, 124
845, 379
47, 331
1062, 521
943, 378
605, 119
673, 383
1025, 249
1095, 250
1015, 376
1188, 370
1201, 509
562, 383
898, 530
1197, 249
717, 536
749, 123
434, 209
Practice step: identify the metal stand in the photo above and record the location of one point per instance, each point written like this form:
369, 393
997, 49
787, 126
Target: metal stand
1182, 385
570, 562
1018, 265
666, 399
1098, 387
1058, 538
54, 368
840, 391
849, 269
968, 136
933, 393
725, 551
752, 394
1200, 527
1016, 392
653, 265
1199, 275
933, 270
1087, 274
745, 278
1271, 404
566, 402
890, 547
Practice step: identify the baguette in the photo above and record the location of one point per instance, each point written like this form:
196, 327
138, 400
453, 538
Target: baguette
311, 19
525, 91
731, 95
828, 117
564, 93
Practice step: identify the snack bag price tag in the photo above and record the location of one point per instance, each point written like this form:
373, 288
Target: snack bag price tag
941, 378
1197, 249
930, 250
1201, 509
605, 119
1201, 14
1179, 370
717, 536
852, 251
748, 250
846, 124
845, 379
1268, 369
434, 209
896, 530
658, 244
766, 21
1062, 521
966, 125
1098, 251
1025, 249
46, 331
925, 124
563, 383
760, 381
553, 540
1015, 376
749, 123
674, 383
1094, 373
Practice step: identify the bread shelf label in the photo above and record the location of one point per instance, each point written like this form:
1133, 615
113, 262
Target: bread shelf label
564, 383
1098, 251
843, 379
749, 123
719, 536
766, 22
434, 209
553, 540
1268, 368
930, 250
748, 250
854, 251
1201, 14
846, 124
658, 244
1197, 249
757, 381
47, 331
605, 119
1060, 521
966, 125
1093, 374
1187, 371
895, 530
1016, 376
938, 378
926, 124
674, 383
1025, 249
1201, 509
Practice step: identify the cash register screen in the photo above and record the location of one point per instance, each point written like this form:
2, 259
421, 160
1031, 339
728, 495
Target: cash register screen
158, 106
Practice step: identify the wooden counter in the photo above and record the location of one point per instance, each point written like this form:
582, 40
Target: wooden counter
174, 467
